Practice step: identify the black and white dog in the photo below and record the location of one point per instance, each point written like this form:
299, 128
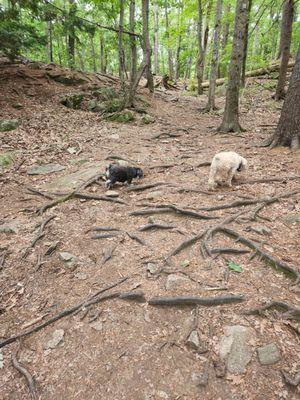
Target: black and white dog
116, 173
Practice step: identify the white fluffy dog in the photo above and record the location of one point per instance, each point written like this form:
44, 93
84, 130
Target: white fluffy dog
224, 167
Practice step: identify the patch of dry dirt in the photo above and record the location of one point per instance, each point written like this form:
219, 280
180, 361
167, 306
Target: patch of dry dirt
140, 351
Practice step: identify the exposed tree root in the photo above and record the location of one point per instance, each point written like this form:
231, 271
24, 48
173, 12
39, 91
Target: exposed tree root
277, 264
273, 179
85, 303
227, 250
192, 301
239, 203
291, 312
144, 187
134, 295
107, 255
137, 239
161, 209
103, 235
26, 374
156, 226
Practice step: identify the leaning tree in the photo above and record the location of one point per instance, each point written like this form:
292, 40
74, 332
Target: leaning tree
288, 129
230, 122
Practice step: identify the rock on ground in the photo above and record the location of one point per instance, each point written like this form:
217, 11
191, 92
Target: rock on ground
268, 354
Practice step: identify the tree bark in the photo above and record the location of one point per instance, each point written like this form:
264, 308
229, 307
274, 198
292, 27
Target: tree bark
288, 128
215, 59
243, 77
120, 46
49, 46
285, 42
129, 100
170, 53
146, 45
102, 56
133, 55
93, 53
156, 21
200, 59
71, 36
230, 122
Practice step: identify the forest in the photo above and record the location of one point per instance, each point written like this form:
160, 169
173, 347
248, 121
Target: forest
150, 199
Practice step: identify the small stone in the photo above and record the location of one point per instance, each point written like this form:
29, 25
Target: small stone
193, 340
111, 193
45, 169
8, 125
162, 395
17, 106
152, 268
57, 337
9, 227
154, 195
147, 119
114, 136
175, 282
97, 325
268, 354
67, 258
185, 263
71, 150
123, 163
81, 276
261, 230
234, 348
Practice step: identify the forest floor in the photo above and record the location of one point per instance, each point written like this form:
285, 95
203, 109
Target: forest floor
125, 349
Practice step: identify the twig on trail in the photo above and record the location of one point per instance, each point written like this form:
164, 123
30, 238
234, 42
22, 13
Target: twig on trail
239, 203
255, 214
107, 255
137, 239
192, 301
51, 248
26, 374
194, 190
227, 250
291, 312
144, 187
85, 303
277, 264
274, 179
291, 381
134, 295
163, 166
156, 226
103, 235
168, 134
42, 209
189, 242
37, 192
161, 209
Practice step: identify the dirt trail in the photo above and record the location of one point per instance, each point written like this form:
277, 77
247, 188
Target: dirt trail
134, 350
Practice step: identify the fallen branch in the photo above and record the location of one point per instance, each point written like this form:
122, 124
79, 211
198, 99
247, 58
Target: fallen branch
87, 302
103, 236
161, 209
291, 312
277, 264
26, 374
156, 226
137, 239
135, 295
227, 250
192, 301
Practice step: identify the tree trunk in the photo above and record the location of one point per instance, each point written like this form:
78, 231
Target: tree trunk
156, 63
120, 46
71, 37
81, 62
206, 35
286, 36
215, 59
132, 39
230, 122
147, 46
243, 77
178, 43
170, 53
200, 61
129, 101
49, 46
93, 53
225, 33
288, 129
102, 56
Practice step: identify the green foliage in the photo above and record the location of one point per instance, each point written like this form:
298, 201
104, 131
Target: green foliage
16, 35
234, 266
